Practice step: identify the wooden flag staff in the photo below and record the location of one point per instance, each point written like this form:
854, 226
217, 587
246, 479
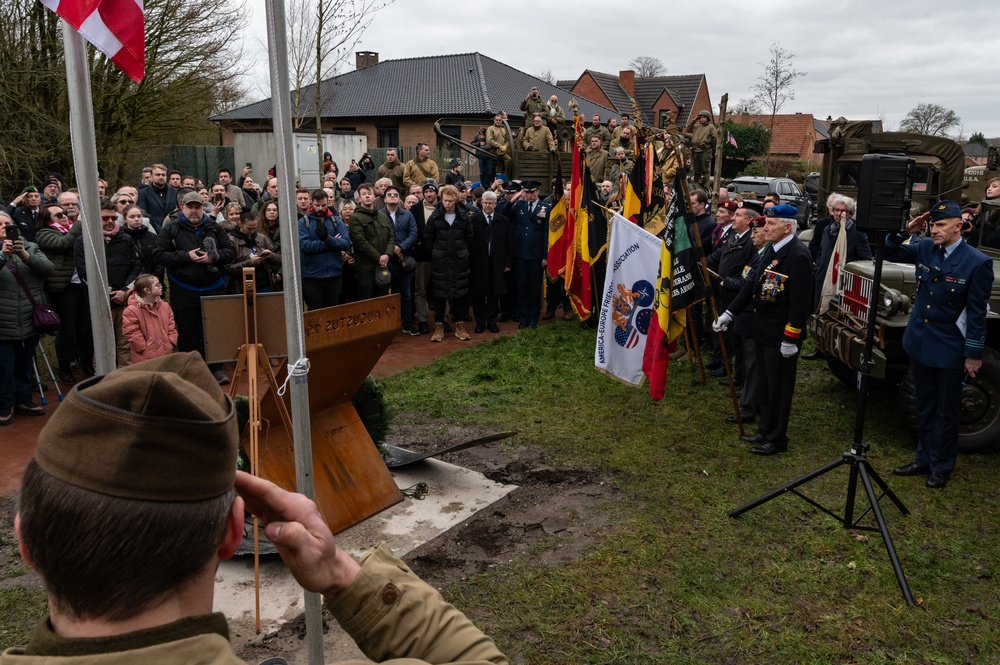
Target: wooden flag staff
252, 357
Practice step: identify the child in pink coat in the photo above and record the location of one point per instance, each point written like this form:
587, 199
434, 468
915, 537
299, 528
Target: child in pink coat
148, 321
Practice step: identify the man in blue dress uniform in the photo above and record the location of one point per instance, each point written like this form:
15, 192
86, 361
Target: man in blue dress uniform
530, 219
945, 334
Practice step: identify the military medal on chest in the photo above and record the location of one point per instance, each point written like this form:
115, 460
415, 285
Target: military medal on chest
773, 284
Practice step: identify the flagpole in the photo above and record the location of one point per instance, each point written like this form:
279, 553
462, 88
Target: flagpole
84, 144
277, 55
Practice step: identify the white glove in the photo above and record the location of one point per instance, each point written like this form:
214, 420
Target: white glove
722, 323
788, 349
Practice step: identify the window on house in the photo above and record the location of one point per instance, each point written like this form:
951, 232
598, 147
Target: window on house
388, 136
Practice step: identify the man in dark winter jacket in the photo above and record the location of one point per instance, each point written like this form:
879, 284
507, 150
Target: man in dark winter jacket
322, 238
159, 199
195, 251
373, 241
402, 265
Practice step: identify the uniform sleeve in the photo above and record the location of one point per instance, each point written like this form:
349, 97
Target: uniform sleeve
896, 251
392, 613
801, 287
980, 287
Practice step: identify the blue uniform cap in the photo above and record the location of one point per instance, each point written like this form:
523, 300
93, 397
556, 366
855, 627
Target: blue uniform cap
783, 211
945, 210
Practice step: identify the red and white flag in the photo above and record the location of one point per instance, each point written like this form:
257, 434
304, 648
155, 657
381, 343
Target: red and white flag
114, 27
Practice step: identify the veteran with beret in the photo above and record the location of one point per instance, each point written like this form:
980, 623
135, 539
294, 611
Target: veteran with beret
130, 502
779, 293
945, 334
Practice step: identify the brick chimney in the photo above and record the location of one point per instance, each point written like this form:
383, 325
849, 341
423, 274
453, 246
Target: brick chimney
365, 59
627, 81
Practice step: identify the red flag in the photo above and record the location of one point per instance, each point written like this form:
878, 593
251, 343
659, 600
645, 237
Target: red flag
115, 27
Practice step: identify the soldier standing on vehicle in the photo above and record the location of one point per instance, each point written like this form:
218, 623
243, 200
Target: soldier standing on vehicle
946, 332
532, 104
702, 133
599, 130
499, 142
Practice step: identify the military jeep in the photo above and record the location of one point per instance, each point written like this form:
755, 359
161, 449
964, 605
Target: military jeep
840, 331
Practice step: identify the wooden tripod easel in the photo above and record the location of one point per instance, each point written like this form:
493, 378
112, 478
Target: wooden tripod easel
252, 357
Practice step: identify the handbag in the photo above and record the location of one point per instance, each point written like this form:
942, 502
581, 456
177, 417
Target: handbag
44, 318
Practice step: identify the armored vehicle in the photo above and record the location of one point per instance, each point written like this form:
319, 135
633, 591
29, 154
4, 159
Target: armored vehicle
840, 331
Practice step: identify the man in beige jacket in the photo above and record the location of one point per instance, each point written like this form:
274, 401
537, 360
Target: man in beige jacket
131, 501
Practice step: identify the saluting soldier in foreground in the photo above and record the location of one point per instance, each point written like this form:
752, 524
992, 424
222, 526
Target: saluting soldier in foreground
945, 334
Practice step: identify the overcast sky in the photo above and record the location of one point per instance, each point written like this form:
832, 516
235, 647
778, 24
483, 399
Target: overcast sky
872, 59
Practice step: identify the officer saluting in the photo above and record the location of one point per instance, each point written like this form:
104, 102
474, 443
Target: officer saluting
780, 291
945, 334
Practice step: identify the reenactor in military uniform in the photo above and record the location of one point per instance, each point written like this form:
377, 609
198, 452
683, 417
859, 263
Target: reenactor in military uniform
780, 294
499, 142
421, 168
392, 169
626, 122
946, 332
597, 160
596, 128
702, 133
620, 166
538, 138
533, 104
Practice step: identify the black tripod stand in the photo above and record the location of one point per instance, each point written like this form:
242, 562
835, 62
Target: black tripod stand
860, 466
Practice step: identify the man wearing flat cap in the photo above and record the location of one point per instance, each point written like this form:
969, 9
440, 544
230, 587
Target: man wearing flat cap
131, 501
779, 292
946, 333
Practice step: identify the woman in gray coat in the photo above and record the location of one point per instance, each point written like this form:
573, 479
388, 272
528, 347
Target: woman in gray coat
18, 337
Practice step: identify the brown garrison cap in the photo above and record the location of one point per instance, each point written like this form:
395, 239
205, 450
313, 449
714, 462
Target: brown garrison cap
159, 430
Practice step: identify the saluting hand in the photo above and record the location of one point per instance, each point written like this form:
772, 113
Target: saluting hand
917, 224
303, 539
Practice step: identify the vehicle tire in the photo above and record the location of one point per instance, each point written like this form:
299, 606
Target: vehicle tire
979, 424
370, 405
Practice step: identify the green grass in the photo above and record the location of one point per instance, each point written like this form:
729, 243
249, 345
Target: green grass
20, 611
678, 581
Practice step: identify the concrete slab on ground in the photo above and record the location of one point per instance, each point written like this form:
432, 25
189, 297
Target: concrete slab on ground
454, 494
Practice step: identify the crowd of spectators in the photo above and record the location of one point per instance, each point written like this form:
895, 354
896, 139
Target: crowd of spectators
449, 249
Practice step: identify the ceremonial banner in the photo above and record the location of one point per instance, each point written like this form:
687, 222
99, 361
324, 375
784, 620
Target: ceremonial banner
627, 301
559, 240
678, 286
831, 280
114, 27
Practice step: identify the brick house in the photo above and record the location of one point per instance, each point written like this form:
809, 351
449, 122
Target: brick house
681, 96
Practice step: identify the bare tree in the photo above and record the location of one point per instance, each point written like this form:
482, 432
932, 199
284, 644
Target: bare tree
189, 76
301, 16
746, 106
932, 119
646, 65
547, 76
339, 27
774, 86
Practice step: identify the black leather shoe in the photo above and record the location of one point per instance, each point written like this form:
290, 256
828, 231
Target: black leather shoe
769, 448
731, 419
712, 365
66, 377
479, 328
753, 438
725, 382
937, 480
447, 328
814, 355
493, 328
911, 469
422, 328
717, 373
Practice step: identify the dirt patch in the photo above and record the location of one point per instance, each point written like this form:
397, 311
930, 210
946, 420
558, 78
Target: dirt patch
551, 517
